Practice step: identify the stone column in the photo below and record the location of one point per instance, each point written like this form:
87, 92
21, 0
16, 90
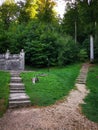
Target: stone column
6, 59
22, 60
91, 48
7, 54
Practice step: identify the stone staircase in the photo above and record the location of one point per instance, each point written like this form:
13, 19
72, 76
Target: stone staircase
83, 74
18, 97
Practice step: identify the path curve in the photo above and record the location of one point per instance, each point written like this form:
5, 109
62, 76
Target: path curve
64, 115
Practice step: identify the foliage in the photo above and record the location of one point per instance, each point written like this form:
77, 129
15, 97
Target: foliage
28, 10
16, 37
4, 91
8, 13
34, 27
46, 11
37, 9
53, 86
67, 51
90, 108
96, 43
70, 17
85, 17
60, 50
3, 38
83, 55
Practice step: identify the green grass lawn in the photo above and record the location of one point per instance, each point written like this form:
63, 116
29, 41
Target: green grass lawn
4, 91
90, 109
52, 87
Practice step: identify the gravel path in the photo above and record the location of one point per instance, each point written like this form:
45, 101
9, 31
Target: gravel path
64, 115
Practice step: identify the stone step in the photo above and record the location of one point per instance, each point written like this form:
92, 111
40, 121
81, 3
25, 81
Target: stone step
16, 80
18, 104
23, 99
80, 79
16, 88
17, 91
82, 76
15, 74
16, 85
18, 97
80, 82
83, 71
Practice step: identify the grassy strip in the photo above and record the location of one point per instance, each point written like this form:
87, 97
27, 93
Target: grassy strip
52, 87
90, 109
4, 91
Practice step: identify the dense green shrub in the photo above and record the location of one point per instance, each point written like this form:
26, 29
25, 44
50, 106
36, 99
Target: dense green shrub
83, 55
3, 38
96, 44
44, 41
68, 51
40, 41
16, 37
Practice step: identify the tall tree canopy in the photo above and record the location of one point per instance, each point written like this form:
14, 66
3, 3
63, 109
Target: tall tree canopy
8, 12
46, 10
85, 14
28, 10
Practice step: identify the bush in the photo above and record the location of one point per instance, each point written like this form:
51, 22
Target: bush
83, 55
44, 41
68, 51
40, 41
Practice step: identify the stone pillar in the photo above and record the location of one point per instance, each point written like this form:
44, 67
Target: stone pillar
22, 60
7, 54
91, 49
6, 59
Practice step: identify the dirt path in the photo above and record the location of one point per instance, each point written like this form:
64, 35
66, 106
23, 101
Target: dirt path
61, 116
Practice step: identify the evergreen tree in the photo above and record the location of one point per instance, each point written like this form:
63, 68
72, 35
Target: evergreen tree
46, 11
85, 14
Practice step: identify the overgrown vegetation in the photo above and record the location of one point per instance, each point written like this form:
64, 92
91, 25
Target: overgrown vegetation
81, 21
52, 85
4, 91
38, 30
90, 108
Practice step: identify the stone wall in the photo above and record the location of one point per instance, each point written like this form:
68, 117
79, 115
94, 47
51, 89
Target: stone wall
12, 61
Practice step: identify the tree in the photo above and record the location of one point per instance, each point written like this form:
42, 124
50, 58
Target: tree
46, 11
28, 10
85, 14
8, 12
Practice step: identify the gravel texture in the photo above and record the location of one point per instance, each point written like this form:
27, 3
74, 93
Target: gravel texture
64, 115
